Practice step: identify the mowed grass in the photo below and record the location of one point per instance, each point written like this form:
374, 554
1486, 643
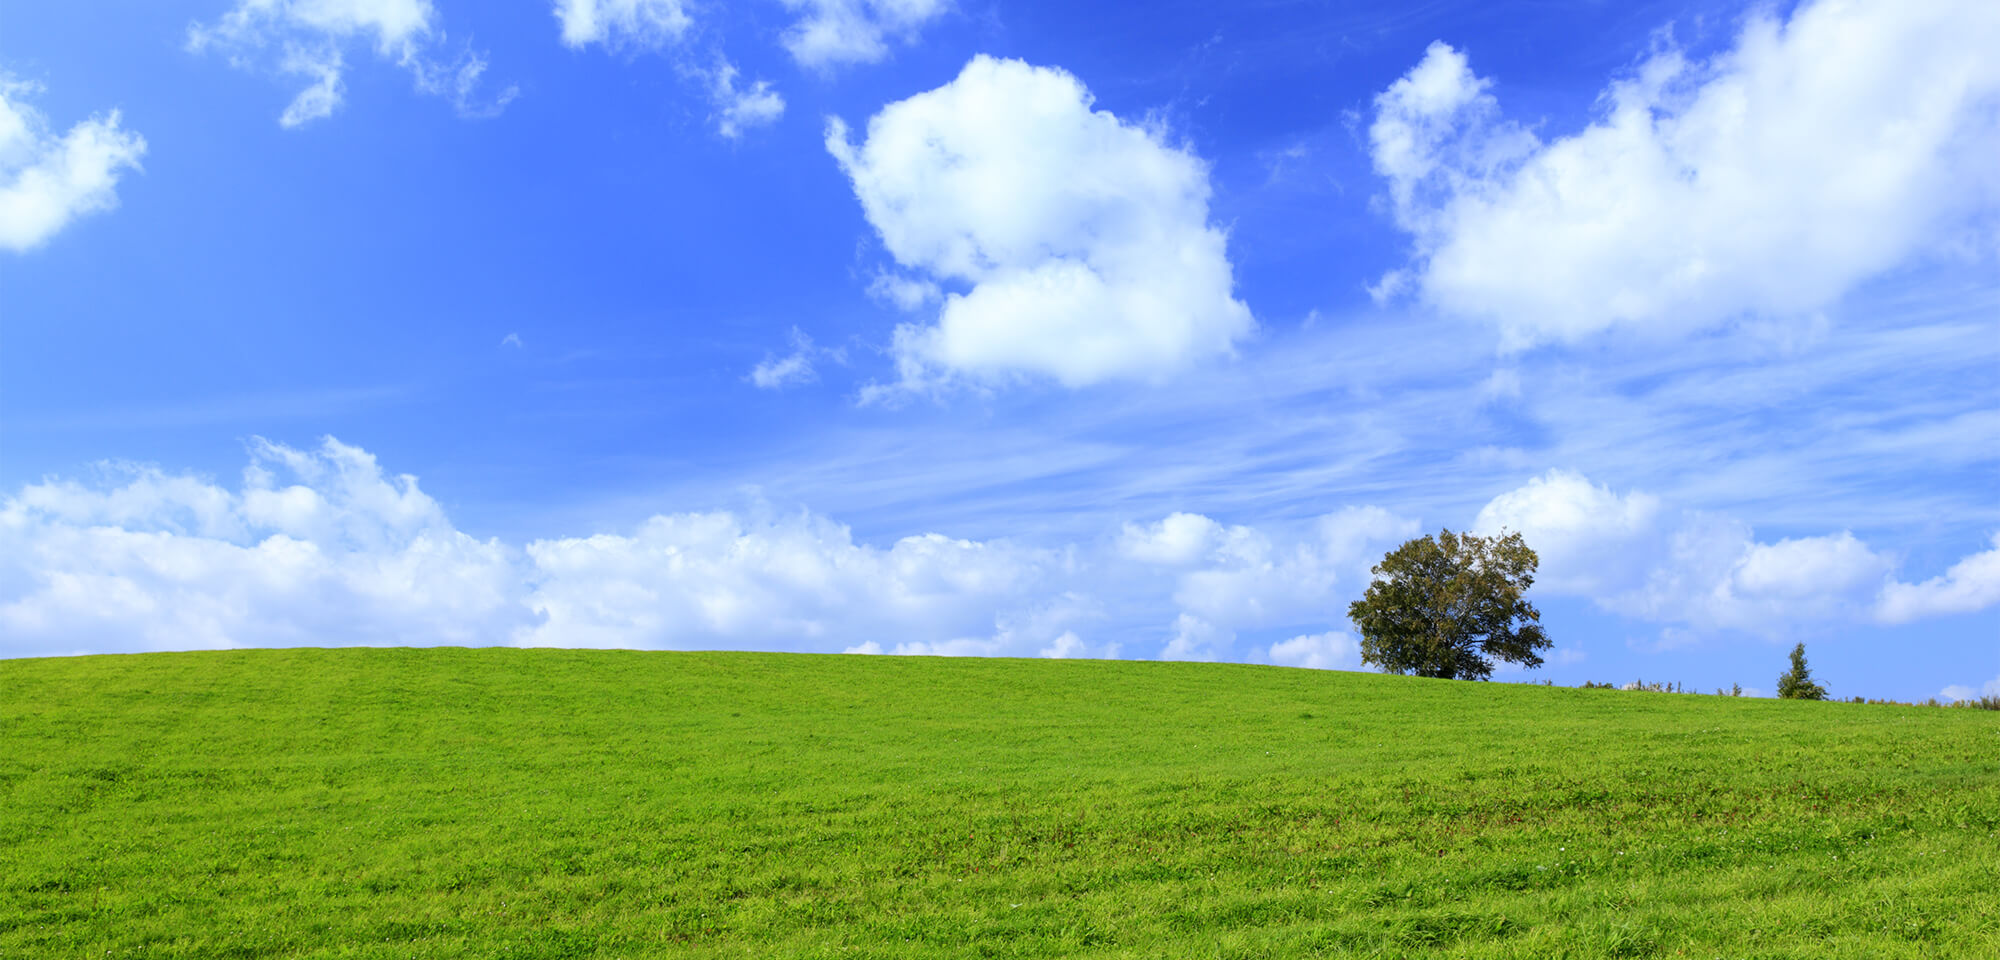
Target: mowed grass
541, 803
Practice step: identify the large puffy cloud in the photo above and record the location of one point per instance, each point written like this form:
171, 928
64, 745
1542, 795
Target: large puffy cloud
306, 38
832, 33
45, 180
1084, 240
1632, 555
1815, 153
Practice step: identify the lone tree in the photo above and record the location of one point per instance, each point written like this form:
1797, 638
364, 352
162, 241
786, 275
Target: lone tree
1797, 683
1441, 606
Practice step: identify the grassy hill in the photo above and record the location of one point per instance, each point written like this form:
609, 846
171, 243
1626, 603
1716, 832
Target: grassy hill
514, 803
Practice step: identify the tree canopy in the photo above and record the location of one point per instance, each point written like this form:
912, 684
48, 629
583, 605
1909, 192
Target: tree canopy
1797, 683
1448, 606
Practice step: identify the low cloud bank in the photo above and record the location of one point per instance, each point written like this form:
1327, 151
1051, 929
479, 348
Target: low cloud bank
1633, 554
322, 546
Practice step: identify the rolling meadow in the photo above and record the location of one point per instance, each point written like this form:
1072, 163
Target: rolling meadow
430, 803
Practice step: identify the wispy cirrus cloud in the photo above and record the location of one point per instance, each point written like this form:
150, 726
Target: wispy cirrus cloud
667, 27
833, 33
309, 39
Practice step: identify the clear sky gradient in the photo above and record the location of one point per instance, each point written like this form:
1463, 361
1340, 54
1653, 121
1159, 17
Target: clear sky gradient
1003, 328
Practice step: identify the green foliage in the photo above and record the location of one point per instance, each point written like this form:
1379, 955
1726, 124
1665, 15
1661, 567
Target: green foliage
376, 804
1442, 606
1797, 683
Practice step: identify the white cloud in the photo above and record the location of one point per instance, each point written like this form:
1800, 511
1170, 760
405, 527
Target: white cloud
1250, 578
777, 373
45, 180
657, 25
323, 547
1230, 578
1337, 650
1961, 692
1084, 239
1815, 153
1971, 585
617, 23
322, 65
720, 579
340, 555
1590, 541
1177, 539
306, 38
740, 108
904, 293
1066, 647
1194, 639
831, 33
1630, 554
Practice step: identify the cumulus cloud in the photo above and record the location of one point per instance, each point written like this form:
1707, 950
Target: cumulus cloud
657, 25
720, 579
621, 23
1336, 650
904, 293
1228, 578
741, 108
1590, 541
47, 180
316, 547
777, 373
1959, 691
1176, 540
831, 33
1250, 578
1632, 555
1066, 647
322, 546
1818, 151
306, 38
1971, 585
1083, 240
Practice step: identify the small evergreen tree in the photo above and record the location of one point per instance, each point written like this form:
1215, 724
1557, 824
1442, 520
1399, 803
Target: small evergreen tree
1797, 683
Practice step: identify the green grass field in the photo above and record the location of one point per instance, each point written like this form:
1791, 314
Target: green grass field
512, 803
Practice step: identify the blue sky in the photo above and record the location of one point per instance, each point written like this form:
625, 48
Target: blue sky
1002, 328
